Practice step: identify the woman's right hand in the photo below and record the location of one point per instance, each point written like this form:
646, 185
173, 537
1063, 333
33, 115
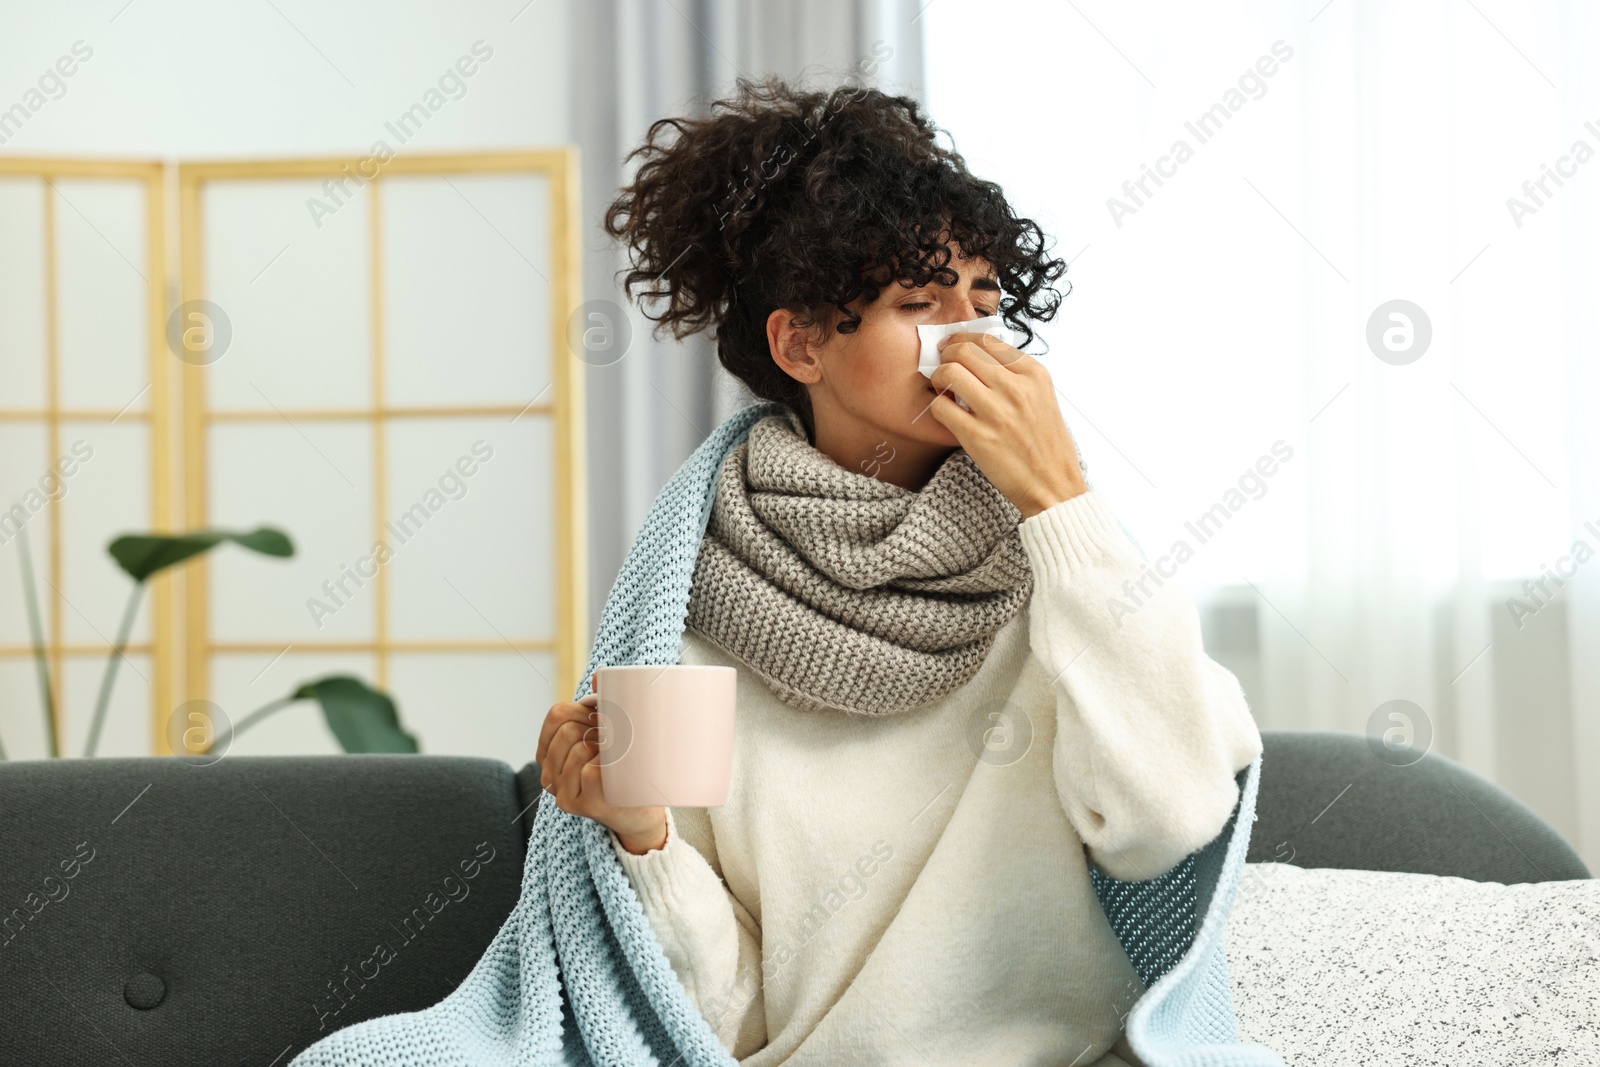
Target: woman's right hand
569, 768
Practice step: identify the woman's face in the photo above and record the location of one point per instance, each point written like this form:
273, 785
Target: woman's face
867, 397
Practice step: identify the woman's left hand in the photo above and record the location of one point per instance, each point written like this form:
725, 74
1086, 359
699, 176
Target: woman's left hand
1014, 432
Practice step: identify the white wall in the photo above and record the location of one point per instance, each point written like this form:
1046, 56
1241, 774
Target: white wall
186, 78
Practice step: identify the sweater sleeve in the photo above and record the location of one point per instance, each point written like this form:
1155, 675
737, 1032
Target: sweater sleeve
1150, 731
709, 937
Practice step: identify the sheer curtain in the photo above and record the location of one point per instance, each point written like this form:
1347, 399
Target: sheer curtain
1332, 344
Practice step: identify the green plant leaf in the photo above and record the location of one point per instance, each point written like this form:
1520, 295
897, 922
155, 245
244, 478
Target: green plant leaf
362, 718
142, 555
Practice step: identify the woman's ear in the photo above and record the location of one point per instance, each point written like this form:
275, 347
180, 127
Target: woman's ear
790, 344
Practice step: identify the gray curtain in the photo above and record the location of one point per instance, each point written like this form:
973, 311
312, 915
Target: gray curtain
636, 61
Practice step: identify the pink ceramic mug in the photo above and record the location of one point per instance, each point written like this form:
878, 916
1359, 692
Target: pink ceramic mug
666, 734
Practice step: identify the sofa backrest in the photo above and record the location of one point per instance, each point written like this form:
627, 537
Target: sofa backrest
170, 911
1330, 799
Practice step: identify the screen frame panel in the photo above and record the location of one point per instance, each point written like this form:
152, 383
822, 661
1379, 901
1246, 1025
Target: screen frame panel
162, 648
561, 402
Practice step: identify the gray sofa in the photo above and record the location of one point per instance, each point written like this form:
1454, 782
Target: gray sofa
165, 911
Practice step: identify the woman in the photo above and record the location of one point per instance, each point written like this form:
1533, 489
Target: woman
948, 704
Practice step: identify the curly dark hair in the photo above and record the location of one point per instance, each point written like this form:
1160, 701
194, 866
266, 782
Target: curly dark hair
808, 200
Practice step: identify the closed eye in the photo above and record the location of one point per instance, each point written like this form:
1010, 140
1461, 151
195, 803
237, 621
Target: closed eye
982, 312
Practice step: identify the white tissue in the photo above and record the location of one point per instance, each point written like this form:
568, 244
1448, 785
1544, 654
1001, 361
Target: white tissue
928, 357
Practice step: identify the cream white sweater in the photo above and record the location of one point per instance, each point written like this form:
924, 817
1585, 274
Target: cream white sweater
913, 890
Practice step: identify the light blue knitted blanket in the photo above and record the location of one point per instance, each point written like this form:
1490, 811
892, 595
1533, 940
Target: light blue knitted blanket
575, 977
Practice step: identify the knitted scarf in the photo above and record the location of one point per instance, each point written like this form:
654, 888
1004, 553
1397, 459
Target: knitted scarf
904, 589
576, 977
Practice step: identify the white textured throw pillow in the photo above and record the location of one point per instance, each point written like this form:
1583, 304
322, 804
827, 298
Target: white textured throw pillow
1374, 968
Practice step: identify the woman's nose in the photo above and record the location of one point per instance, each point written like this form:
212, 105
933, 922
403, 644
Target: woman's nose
959, 311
